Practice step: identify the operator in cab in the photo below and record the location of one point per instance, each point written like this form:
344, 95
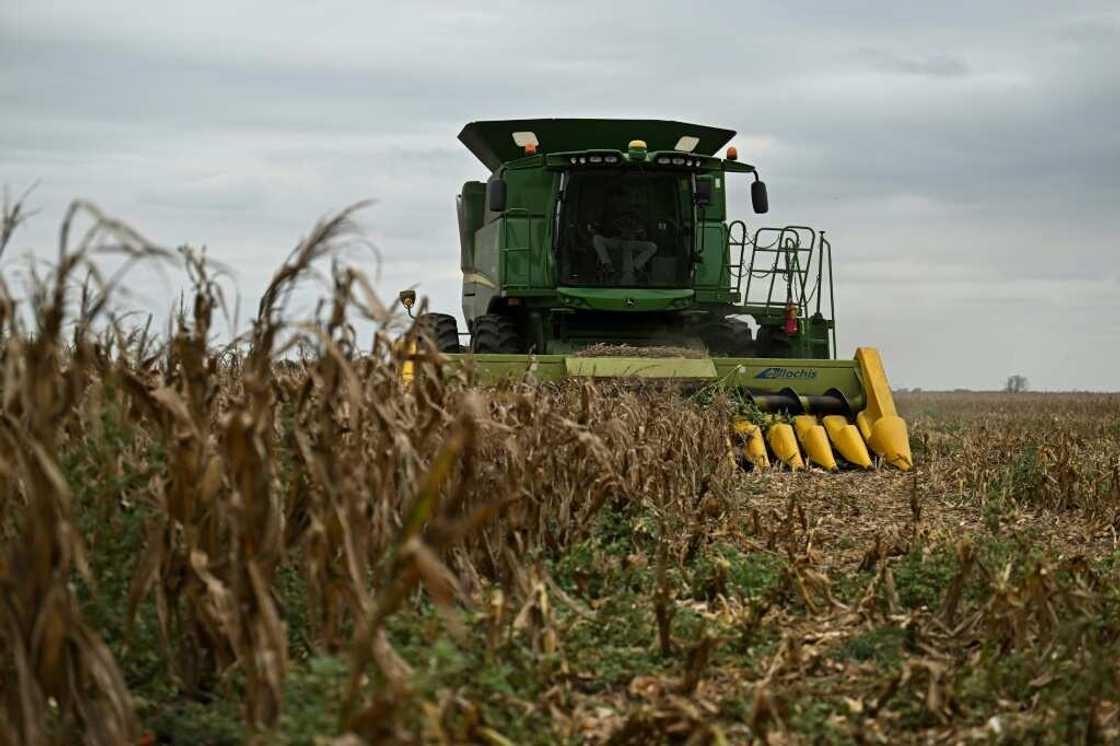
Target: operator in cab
621, 236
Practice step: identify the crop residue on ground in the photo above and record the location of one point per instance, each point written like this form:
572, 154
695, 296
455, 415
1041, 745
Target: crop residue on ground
204, 544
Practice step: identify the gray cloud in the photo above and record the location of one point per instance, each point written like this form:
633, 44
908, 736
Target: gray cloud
963, 156
937, 65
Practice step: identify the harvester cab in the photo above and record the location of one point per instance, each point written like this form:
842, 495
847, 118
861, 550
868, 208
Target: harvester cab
603, 248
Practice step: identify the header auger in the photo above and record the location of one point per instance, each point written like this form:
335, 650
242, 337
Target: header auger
602, 248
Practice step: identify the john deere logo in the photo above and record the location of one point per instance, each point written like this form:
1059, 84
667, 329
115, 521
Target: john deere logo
801, 374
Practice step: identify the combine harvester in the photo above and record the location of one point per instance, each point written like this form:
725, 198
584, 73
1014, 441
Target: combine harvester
595, 237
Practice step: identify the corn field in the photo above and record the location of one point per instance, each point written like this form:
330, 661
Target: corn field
278, 540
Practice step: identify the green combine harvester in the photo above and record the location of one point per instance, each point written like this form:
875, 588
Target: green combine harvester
602, 248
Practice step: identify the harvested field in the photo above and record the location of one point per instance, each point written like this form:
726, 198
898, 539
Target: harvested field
205, 546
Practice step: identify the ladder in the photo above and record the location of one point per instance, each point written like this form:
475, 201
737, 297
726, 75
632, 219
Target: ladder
787, 265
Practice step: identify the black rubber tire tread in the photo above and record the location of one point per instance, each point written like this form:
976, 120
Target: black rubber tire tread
495, 334
441, 329
773, 342
728, 338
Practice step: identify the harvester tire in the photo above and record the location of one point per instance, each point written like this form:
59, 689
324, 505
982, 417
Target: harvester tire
493, 333
728, 338
773, 342
441, 329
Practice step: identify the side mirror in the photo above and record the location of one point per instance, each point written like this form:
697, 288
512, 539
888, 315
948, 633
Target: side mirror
758, 198
496, 195
703, 195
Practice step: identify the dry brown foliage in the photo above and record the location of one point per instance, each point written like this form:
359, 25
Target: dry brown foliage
590, 547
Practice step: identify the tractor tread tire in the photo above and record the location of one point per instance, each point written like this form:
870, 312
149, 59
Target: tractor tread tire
495, 334
774, 342
728, 338
441, 329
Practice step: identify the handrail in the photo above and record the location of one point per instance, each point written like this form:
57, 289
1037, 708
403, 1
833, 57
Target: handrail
802, 262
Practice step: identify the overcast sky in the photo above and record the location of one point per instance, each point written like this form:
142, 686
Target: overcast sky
964, 157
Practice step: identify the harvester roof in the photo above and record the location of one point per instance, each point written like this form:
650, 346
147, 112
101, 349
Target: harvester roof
493, 142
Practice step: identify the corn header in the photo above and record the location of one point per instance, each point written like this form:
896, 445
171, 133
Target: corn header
602, 248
